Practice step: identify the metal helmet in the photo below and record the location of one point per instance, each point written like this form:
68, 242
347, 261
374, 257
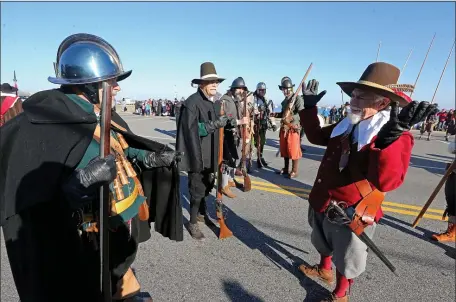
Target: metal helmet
261, 85
238, 83
286, 83
86, 59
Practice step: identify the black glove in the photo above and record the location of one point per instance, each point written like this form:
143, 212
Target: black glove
310, 94
410, 115
220, 122
81, 187
161, 159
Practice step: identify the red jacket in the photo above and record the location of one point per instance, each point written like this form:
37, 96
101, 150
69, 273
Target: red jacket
384, 169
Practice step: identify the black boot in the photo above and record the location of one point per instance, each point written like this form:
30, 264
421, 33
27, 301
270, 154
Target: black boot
195, 232
203, 215
285, 171
263, 162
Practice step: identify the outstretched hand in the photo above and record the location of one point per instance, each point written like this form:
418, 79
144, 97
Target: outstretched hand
310, 93
415, 112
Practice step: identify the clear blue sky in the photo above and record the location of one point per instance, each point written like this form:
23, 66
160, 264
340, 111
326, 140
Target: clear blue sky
165, 43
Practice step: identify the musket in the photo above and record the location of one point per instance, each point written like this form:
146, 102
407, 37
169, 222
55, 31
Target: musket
362, 236
258, 146
225, 232
286, 116
245, 134
105, 199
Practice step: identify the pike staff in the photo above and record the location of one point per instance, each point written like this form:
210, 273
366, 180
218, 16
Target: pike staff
443, 71
450, 169
406, 61
105, 199
422, 65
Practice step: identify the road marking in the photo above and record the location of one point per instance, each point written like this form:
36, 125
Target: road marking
280, 189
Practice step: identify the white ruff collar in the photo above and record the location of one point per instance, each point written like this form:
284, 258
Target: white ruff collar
365, 130
7, 94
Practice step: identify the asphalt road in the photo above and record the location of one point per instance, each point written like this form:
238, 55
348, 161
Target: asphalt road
272, 237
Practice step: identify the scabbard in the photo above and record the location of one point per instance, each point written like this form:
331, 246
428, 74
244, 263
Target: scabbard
371, 245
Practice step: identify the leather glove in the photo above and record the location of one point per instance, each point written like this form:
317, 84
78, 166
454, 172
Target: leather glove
81, 187
161, 159
410, 115
310, 94
220, 122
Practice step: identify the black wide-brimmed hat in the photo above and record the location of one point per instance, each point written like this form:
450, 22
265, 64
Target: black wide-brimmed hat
207, 73
7, 88
377, 78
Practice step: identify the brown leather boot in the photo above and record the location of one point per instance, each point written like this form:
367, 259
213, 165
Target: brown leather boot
334, 298
448, 236
127, 287
231, 184
315, 271
294, 168
227, 192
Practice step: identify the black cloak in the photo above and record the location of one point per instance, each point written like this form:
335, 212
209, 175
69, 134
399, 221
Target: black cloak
38, 150
200, 153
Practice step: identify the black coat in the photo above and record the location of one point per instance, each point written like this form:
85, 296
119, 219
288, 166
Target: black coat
39, 150
200, 153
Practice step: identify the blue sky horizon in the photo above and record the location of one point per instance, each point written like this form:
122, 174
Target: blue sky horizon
164, 43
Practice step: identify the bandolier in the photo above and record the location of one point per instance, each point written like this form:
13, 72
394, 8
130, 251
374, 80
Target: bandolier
232, 103
263, 121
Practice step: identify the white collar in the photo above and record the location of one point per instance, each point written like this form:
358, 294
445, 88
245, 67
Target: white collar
365, 130
7, 94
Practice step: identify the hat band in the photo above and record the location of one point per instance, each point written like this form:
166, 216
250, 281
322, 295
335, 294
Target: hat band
211, 75
375, 85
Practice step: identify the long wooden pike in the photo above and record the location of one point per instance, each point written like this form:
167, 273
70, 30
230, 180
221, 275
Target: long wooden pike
450, 169
443, 71
422, 65
105, 208
403, 67
378, 50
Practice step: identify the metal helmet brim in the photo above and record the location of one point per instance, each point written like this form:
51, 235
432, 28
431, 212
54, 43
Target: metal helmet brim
86, 59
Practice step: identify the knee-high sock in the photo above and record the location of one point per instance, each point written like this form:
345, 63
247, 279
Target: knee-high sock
342, 285
325, 262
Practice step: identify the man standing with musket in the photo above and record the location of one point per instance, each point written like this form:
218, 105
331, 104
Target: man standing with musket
262, 121
198, 139
367, 154
51, 174
232, 106
290, 130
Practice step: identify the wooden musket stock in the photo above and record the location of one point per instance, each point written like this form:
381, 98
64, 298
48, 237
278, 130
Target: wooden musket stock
224, 231
105, 198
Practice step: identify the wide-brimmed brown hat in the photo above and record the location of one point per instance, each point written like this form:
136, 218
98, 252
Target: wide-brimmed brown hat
378, 78
207, 73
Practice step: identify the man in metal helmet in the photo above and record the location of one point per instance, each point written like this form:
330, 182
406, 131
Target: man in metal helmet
290, 141
263, 121
51, 174
231, 103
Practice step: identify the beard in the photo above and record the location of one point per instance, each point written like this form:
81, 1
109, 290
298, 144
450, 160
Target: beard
238, 96
354, 118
